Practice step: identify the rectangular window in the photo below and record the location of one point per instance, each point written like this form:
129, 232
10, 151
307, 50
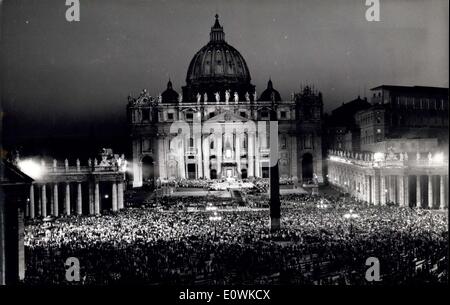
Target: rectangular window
243, 114
189, 116
283, 114
170, 116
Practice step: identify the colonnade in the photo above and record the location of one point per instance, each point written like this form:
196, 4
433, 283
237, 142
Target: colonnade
380, 187
41, 205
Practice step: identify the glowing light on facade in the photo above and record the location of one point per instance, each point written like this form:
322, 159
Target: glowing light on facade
31, 168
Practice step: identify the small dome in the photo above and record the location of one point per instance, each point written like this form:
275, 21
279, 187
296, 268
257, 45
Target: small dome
169, 95
269, 93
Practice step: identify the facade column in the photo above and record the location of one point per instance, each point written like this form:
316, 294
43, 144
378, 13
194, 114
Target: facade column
55, 200
237, 149
219, 155
32, 207
97, 199
401, 190
418, 193
67, 199
293, 161
383, 191
257, 155
137, 167
198, 142
114, 196
79, 199
430, 192
205, 161
251, 154
162, 152
44, 201
442, 192
120, 195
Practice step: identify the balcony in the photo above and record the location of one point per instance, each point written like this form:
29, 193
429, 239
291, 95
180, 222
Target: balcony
191, 151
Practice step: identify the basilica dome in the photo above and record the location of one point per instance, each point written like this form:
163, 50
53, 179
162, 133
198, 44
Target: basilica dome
217, 61
216, 68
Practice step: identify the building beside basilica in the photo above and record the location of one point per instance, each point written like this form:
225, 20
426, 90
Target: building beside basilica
395, 149
219, 127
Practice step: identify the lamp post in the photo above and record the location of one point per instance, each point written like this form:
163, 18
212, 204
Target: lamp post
350, 215
215, 219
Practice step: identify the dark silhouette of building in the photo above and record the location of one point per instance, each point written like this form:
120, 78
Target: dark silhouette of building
341, 130
14, 188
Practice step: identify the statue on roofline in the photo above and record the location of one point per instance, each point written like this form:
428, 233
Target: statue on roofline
217, 95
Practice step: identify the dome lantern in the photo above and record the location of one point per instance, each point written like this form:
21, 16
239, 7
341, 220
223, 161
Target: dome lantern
217, 33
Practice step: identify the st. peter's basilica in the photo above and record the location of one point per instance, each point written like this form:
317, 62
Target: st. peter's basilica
219, 126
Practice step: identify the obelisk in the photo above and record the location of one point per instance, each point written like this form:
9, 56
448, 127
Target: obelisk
274, 173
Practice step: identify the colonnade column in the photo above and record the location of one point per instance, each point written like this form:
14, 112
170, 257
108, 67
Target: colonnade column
406, 190
376, 189
418, 192
97, 199
442, 192
114, 196
383, 191
367, 182
120, 195
91, 199
79, 200
391, 188
401, 190
44, 201
430, 192
55, 200
67, 199
32, 207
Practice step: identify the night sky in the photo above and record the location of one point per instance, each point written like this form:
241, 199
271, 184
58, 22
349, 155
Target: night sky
63, 80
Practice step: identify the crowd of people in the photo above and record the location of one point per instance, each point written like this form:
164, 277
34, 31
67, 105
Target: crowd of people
206, 183
315, 245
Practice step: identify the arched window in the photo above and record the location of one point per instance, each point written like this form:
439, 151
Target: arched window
191, 142
211, 145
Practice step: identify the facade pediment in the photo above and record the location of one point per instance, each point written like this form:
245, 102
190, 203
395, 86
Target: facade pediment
227, 117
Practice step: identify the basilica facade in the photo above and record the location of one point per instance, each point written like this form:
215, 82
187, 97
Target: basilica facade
219, 127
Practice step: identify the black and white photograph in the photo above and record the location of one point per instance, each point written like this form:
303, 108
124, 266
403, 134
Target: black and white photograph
224, 148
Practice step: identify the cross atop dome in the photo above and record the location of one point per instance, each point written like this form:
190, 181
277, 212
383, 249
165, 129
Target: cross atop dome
217, 33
